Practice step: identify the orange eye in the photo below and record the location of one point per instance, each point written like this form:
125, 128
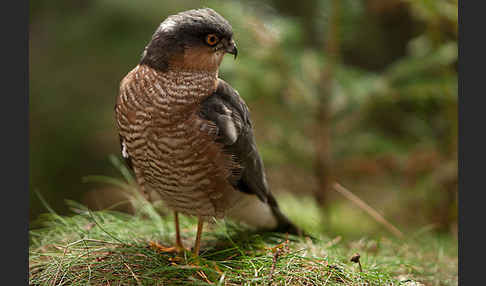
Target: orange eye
212, 39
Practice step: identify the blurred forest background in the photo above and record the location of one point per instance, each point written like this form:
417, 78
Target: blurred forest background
355, 91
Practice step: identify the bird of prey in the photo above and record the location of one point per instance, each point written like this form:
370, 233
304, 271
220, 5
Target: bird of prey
187, 134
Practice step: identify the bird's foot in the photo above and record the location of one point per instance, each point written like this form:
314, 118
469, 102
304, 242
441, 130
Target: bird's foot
167, 249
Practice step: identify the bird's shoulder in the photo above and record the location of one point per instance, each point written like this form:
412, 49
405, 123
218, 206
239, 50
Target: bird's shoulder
229, 112
130, 77
137, 77
126, 83
231, 95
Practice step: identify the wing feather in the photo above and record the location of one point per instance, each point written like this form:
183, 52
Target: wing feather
229, 112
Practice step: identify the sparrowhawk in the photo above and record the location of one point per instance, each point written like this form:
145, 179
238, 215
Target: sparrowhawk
187, 134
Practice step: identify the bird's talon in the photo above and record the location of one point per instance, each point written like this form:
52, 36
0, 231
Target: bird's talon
181, 249
160, 248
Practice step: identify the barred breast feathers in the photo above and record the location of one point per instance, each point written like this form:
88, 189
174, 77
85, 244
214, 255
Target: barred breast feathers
174, 151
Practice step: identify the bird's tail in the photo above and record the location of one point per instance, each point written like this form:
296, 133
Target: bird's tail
284, 225
262, 216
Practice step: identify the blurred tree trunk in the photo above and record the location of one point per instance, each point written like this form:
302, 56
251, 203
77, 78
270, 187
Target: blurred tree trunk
307, 12
323, 161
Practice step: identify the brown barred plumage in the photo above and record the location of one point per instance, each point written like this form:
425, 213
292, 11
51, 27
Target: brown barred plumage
173, 151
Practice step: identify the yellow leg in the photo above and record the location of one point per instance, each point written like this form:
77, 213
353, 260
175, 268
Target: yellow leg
178, 233
197, 246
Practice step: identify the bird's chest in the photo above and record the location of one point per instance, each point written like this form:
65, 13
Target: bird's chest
173, 150
184, 165
178, 140
174, 126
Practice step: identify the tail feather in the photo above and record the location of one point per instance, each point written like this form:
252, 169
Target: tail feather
284, 225
262, 216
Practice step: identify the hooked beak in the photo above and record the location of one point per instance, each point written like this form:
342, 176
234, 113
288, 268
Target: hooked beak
231, 48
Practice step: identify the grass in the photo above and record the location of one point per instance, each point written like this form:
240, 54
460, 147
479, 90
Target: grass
112, 248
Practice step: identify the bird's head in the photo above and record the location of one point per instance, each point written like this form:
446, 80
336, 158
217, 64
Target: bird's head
190, 40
